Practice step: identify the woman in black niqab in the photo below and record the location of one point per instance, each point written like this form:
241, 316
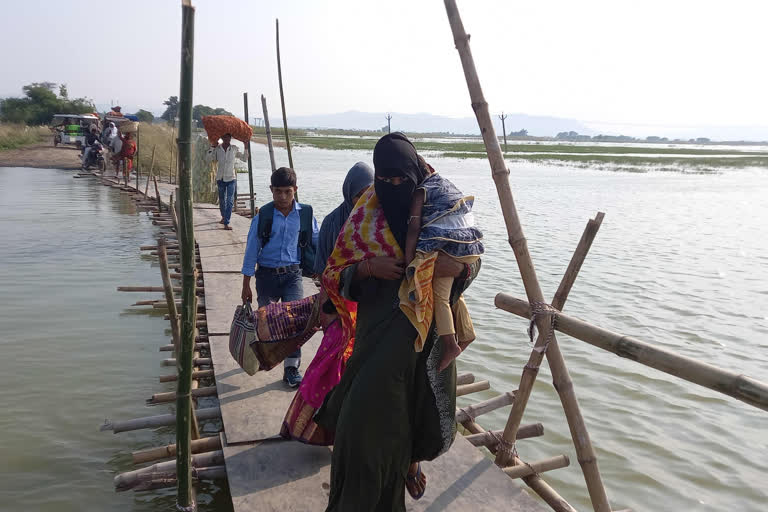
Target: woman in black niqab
395, 157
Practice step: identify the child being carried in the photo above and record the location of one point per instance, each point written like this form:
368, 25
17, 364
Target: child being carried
440, 220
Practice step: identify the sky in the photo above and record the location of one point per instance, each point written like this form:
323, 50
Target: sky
613, 64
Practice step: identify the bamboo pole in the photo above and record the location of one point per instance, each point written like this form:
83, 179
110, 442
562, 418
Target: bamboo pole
170, 396
198, 346
169, 297
282, 96
250, 164
128, 479
517, 241
465, 378
196, 374
138, 150
160, 420
151, 169
473, 411
186, 233
740, 387
206, 444
165, 480
535, 482
473, 388
157, 195
534, 468
269, 133
489, 439
197, 361
561, 378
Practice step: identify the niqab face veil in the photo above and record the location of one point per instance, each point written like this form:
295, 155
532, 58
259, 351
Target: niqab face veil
395, 156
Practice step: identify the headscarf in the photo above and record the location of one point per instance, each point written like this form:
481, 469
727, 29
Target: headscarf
395, 155
359, 177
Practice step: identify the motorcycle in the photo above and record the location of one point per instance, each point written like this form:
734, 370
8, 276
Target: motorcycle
96, 157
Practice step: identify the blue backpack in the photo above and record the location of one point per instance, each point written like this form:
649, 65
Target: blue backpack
306, 248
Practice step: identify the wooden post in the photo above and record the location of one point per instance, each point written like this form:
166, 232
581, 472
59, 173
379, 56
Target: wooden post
269, 133
282, 96
138, 148
151, 169
157, 195
186, 234
504, 129
505, 457
250, 164
173, 146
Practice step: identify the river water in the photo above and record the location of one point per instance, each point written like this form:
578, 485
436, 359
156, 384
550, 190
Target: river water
680, 261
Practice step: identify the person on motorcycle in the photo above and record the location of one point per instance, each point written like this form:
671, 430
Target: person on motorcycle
90, 139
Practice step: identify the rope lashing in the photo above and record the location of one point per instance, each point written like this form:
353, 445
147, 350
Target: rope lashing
540, 309
508, 449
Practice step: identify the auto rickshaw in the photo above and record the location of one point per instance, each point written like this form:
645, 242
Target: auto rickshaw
72, 128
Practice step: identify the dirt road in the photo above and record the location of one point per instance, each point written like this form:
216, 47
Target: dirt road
42, 156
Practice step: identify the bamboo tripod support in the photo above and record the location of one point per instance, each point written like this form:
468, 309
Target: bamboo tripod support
500, 173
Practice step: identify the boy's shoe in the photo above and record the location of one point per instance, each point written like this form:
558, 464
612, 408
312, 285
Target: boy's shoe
291, 376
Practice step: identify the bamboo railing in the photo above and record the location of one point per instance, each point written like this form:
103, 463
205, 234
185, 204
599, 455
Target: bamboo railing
545, 343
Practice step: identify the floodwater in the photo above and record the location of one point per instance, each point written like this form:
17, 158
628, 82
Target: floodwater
680, 261
73, 352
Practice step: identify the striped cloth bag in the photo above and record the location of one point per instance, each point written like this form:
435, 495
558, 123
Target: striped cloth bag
241, 335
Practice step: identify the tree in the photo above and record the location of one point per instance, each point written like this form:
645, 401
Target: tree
198, 111
41, 103
145, 116
172, 110
519, 133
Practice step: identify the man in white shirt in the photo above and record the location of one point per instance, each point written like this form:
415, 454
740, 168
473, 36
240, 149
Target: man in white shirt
226, 178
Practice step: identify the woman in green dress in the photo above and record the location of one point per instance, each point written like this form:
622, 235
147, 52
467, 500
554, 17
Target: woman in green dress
392, 408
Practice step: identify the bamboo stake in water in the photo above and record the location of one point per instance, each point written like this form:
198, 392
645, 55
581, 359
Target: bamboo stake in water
516, 239
250, 164
151, 169
269, 133
187, 245
138, 148
173, 314
282, 96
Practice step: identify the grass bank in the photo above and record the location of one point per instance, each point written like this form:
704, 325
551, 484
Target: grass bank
628, 157
14, 136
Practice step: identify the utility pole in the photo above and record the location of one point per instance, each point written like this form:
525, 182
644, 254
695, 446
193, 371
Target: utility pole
389, 124
503, 117
258, 121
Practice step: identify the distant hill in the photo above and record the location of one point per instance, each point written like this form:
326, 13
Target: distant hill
428, 123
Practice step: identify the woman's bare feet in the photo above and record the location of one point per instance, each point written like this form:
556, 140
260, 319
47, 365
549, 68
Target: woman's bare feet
228, 227
416, 481
451, 350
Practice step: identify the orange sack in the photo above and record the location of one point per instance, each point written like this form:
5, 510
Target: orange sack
217, 126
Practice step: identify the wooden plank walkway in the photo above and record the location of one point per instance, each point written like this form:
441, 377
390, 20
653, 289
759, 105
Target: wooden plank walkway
267, 473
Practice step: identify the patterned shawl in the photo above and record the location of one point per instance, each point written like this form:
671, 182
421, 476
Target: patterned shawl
365, 235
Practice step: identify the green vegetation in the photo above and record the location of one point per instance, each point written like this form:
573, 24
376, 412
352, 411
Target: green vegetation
478, 147
17, 135
637, 162
40, 103
145, 116
198, 111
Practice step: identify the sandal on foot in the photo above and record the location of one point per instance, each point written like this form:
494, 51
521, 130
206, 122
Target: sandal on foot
414, 479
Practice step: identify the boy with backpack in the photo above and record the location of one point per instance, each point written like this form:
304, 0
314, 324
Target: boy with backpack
282, 242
